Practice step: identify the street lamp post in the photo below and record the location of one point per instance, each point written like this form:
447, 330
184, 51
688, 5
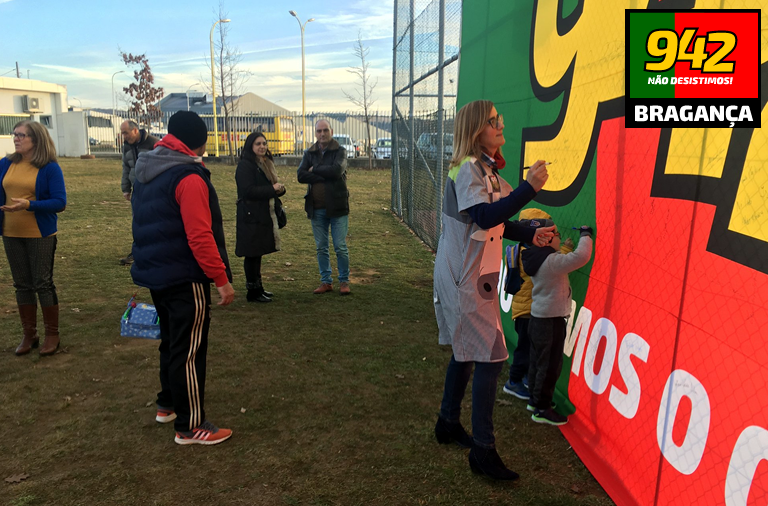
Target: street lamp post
114, 132
303, 98
213, 90
188, 95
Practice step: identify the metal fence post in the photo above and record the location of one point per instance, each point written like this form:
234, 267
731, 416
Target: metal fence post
411, 141
440, 126
396, 200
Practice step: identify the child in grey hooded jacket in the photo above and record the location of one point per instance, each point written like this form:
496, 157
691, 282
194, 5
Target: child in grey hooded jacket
550, 307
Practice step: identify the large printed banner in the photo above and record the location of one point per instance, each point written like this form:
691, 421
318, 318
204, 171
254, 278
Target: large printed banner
666, 360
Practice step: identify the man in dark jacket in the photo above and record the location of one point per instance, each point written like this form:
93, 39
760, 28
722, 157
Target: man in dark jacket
179, 249
135, 141
324, 169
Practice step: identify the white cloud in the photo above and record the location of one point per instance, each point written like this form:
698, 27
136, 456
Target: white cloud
73, 71
277, 81
177, 82
372, 20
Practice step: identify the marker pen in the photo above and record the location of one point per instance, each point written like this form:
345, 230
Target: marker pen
528, 166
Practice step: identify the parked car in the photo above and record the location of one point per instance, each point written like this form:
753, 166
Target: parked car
346, 143
383, 148
427, 144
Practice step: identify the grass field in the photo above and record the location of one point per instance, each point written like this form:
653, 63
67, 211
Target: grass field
332, 399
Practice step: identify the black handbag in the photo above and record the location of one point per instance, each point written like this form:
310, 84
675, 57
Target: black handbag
513, 281
282, 218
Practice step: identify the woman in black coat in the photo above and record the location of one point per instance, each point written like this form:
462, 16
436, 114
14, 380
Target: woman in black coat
257, 208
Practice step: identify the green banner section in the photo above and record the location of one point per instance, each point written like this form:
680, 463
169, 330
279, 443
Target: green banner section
641, 25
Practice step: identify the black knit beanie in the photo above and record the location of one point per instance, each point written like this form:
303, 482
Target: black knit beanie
189, 128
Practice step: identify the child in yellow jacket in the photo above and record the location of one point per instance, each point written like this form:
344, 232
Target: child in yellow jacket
517, 385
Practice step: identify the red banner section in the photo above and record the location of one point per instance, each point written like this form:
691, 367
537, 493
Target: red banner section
668, 352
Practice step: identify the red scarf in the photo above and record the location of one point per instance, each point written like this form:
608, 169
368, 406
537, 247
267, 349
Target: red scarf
173, 143
500, 161
496, 163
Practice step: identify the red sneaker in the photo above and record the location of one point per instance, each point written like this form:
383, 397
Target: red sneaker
165, 415
205, 434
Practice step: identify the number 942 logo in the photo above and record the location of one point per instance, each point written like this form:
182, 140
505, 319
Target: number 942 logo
667, 45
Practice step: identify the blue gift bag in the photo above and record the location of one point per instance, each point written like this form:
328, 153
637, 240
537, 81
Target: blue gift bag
140, 320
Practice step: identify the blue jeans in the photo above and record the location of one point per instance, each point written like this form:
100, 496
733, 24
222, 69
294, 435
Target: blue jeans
339, 227
483, 397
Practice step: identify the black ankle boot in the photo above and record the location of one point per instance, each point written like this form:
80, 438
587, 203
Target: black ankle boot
452, 433
265, 294
256, 293
487, 462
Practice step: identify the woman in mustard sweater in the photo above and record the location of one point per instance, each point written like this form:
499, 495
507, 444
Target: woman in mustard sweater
31, 193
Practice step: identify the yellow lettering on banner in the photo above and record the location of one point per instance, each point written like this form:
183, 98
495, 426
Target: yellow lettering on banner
698, 151
750, 210
597, 44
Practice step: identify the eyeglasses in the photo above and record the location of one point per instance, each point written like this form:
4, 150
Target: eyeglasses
497, 121
20, 135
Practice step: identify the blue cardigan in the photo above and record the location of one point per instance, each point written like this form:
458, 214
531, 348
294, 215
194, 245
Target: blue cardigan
50, 196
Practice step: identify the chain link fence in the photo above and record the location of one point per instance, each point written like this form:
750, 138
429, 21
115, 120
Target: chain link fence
424, 84
284, 131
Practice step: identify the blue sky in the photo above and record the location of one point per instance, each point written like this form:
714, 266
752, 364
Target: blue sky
75, 43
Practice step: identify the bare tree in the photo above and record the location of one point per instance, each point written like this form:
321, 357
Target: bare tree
363, 96
231, 76
143, 94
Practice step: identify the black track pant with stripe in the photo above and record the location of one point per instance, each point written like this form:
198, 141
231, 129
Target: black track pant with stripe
184, 312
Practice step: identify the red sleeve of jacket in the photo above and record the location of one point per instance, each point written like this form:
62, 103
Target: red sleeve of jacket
192, 196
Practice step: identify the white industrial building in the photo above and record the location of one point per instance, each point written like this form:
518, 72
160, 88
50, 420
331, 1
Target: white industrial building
22, 99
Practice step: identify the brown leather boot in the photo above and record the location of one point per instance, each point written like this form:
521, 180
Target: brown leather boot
28, 315
323, 288
51, 320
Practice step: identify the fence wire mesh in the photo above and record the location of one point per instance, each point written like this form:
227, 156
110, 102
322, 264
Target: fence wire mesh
284, 131
425, 80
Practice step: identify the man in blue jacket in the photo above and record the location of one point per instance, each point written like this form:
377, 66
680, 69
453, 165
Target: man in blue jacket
179, 250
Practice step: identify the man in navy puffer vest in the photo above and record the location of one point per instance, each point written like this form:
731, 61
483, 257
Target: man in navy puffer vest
178, 251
